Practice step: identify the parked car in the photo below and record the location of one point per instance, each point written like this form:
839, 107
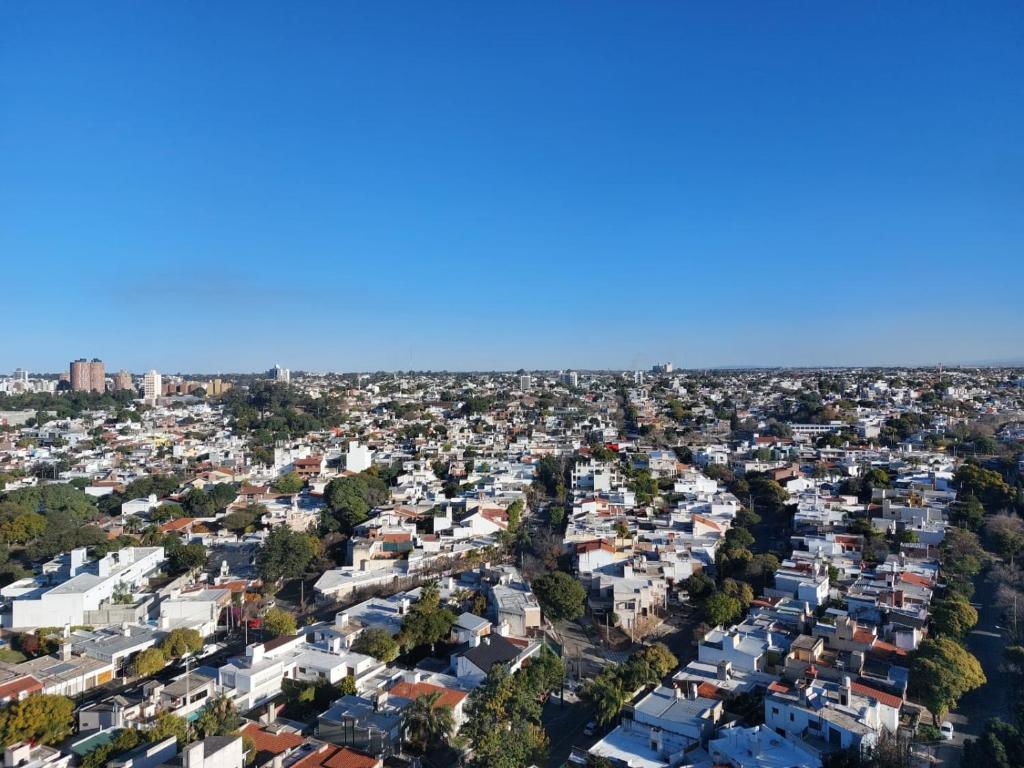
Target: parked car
946, 729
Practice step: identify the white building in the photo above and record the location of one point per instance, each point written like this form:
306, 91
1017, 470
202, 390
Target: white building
152, 386
65, 594
359, 458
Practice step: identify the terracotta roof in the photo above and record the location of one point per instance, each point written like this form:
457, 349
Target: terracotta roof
271, 743
590, 546
777, 687
25, 684
412, 691
913, 578
880, 696
330, 756
177, 525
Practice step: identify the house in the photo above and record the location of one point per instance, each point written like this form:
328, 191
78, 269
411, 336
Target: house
472, 665
741, 650
758, 747
71, 590
661, 728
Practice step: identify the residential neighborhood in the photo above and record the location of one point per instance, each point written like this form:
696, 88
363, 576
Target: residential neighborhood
671, 569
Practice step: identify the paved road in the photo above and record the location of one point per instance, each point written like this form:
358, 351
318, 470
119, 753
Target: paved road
564, 725
994, 699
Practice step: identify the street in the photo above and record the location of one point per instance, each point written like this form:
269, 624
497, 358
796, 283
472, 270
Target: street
995, 698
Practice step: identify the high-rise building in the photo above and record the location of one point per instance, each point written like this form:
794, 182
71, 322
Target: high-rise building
97, 376
151, 389
525, 382
20, 377
123, 380
280, 375
81, 376
663, 368
569, 378
217, 386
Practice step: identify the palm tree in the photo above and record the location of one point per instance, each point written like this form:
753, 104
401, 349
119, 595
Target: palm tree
426, 724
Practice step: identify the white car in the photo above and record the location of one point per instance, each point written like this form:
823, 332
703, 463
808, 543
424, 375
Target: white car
946, 729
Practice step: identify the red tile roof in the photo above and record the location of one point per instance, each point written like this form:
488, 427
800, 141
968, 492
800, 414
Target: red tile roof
880, 696
19, 686
330, 756
449, 696
274, 743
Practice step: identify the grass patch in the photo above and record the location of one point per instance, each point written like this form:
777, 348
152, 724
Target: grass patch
11, 656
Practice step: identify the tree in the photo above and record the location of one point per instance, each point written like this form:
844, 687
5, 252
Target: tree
41, 717
241, 520
289, 484
428, 622
285, 554
347, 501
1001, 745
607, 693
953, 617
1006, 533
378, 643
218, 718
167, 725
941, 672
197, 503
181, 642
426, 723
988, 486
969, 514
561, 596
280, 623
186, 557
722, 609
148, 662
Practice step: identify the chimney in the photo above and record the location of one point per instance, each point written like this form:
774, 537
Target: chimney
271, 715
691, 690
411, 676
126, 629
679, 693
341, 619
724, 670
846, 691
380, 698
474, 641
65, 651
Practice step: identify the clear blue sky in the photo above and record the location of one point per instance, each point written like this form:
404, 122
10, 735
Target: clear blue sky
352, 186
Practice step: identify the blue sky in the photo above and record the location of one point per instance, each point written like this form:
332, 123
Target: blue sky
394, 185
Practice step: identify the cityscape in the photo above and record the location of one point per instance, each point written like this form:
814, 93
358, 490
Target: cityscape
536, 385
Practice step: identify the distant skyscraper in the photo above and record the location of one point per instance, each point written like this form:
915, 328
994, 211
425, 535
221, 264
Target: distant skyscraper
280, 375
525, 382
20, 376
123, 380
570, 378
80, 375
663, 368
151, 389
97, 376
88, 375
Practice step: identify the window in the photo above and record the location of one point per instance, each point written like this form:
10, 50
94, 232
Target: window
791, 718
775, 710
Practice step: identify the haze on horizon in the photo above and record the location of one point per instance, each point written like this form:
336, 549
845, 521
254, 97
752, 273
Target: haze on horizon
446, 186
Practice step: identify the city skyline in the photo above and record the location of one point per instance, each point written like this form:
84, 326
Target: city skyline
784, 186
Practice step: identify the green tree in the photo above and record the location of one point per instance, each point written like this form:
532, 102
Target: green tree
185, 557
721, 609
289, 484
941, 672
41, 717
426, 723
286, 554
954, 617
607, 693
167, 725
561, 596
181, 642
218, 718
378, 643
1000, 745
347, 502
428, 622
241, 520
197, 503
1006, 533
148, 662
280, 623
